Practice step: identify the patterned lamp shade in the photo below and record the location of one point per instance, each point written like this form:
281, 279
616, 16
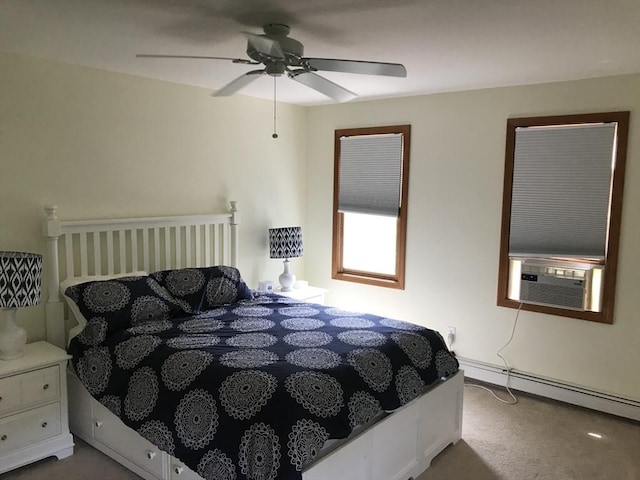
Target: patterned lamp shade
20, 278
285, 242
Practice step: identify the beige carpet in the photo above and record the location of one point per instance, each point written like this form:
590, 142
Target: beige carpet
534, 439
537, 439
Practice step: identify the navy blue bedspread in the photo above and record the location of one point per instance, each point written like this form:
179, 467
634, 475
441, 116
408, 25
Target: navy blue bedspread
252, 390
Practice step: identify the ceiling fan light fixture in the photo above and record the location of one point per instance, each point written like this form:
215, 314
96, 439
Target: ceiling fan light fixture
275, 69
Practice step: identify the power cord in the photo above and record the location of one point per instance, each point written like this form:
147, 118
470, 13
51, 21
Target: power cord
513, 400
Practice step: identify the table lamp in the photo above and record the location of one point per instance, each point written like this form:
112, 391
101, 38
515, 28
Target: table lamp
286, 242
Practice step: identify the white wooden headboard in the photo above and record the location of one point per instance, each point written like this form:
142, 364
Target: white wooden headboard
112, 246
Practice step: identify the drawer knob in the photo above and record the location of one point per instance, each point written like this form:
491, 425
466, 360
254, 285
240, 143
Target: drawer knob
45, 386
98, 423
178, 470
3, 438
44, 424
151, 454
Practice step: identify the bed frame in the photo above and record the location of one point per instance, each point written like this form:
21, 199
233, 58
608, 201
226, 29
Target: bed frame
398, 447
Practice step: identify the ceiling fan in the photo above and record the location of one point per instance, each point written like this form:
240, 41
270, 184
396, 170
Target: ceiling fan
281, 54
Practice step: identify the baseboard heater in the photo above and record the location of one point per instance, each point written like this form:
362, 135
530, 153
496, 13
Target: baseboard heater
544, 387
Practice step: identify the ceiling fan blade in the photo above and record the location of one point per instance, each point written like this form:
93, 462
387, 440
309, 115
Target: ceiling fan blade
266, 46
322, 85
356, 66
240, 82
198, 57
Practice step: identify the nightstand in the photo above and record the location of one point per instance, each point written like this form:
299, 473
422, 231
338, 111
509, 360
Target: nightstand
305, 294
34, 419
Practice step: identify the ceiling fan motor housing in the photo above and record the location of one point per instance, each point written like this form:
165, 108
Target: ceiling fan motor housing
293, 50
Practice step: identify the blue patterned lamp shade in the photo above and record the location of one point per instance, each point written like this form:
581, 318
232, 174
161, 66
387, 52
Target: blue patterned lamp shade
285, 242
20, 279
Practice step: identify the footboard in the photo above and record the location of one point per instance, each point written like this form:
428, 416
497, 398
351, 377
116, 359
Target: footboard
399, 447
402, 445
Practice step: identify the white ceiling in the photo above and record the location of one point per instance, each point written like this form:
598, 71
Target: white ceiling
446, 45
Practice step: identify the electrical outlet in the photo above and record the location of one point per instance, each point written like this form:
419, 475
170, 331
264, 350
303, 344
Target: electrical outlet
451, 336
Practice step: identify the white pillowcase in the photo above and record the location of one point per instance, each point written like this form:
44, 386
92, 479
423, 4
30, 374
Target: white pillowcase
73, 307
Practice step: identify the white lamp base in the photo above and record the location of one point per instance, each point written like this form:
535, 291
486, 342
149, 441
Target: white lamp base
286, 278
12, 337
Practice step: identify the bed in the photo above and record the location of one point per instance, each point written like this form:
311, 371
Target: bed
191, 374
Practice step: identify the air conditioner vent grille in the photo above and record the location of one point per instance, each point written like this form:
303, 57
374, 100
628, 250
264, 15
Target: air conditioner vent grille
570, 295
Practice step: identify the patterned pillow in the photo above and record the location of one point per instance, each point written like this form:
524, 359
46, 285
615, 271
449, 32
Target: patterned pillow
204, 288
124, 302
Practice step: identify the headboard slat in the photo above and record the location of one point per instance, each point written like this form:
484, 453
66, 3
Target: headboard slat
225, 249
167, 247
187, 245
216, 247
197, 234
122, 267
156, 248
68, 240
134, 249
207, 242
177, 244
97, 250
110, 265
145, 252
83, 254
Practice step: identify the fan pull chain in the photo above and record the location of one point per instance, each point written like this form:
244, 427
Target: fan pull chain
275, 135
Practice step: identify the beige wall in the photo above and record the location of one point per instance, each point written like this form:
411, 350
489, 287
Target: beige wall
455, 198
100, 144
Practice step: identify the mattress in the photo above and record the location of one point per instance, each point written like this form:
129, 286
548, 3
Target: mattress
257, 388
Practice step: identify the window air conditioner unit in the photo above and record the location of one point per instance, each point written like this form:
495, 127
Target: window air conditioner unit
548, 284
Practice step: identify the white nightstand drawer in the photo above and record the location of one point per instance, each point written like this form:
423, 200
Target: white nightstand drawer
20, 391
117, 436
29, 427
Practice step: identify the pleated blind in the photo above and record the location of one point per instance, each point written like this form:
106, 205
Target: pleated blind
561, 190
370, 174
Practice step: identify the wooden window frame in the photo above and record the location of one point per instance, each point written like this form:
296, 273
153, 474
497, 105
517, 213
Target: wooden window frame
613, 236
338, 272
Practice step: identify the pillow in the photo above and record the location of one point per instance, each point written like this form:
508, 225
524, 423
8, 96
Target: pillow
204, 288
81, 321
70, 281
124, 302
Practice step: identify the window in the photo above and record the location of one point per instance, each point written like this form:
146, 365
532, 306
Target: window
370, 205
562, 204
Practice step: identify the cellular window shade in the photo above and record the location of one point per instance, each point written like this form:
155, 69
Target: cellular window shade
561, 190
370, 174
